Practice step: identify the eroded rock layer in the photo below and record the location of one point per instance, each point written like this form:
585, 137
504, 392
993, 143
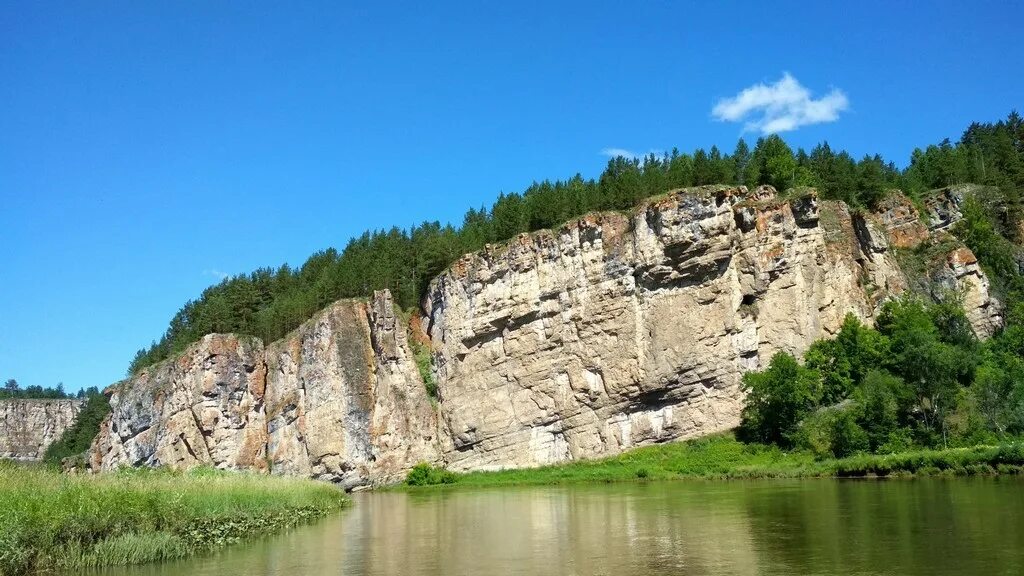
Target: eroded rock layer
345, 401
617, 331
611, 332
203, 407
338, 399
28, 427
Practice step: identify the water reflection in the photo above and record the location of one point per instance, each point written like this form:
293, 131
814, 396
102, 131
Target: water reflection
690, 528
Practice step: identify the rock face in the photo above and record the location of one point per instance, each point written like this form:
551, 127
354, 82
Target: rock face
949, 267
964, 275
28, 427
611, 332
617, 331
345, 401
204, 407
339, 399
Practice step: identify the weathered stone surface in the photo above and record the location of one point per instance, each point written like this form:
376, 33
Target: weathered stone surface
610, 332
338, 399
203, 407
963, 275
900, 221
28, 427
898, 224
944, 205
404, 424
345, 401
617, 331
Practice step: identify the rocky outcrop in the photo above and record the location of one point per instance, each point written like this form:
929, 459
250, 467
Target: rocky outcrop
203, 407
617, 331
345, 401
613, 331
28, 427
338, 399
963, 275
939, 264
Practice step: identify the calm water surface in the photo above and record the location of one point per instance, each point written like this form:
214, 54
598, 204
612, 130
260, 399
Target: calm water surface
962, 526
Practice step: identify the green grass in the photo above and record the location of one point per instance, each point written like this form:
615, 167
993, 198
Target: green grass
54, 521
723, 457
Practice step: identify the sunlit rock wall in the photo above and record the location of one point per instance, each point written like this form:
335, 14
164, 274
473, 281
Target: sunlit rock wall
622, 330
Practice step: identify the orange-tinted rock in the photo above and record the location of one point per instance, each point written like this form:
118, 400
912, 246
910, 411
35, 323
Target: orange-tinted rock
901, 222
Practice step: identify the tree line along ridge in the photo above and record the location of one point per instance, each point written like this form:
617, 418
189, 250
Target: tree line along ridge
270, 302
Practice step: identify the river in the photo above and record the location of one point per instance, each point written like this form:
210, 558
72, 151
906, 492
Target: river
926, 526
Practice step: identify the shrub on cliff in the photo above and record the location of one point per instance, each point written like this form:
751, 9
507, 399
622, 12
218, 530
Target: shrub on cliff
843, 360
920, 378
421, 353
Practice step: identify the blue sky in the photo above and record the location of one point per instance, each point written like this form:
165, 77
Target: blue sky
148, 148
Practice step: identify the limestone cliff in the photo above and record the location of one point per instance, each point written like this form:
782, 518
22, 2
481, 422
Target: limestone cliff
204, 407
28, 427
344, 399
616, 331
934, 262
338, 399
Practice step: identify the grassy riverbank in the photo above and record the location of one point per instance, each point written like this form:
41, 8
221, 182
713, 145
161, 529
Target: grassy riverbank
723, 457
54, 521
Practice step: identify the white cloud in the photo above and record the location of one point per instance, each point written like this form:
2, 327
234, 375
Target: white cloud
613, 152
216, 273
780, 107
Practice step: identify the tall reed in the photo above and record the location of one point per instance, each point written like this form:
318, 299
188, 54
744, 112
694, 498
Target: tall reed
50, 520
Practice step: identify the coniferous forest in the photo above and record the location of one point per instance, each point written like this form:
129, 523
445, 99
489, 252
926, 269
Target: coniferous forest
13, 390
270, 302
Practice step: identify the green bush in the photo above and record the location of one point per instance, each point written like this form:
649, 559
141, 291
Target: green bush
777, 400
815, 433
919, 379
955, 461
424, 474
1009, 469
847, 436
833, 432
421, 353
880, 398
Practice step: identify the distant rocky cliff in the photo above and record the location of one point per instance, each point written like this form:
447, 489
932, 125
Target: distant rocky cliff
28, 427
611, 332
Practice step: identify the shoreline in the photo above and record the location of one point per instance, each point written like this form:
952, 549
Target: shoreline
724, 458
62, 522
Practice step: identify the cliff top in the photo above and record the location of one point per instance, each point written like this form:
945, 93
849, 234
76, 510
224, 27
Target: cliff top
215, 339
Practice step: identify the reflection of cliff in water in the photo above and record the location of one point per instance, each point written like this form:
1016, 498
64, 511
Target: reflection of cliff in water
581, 530
682, 528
